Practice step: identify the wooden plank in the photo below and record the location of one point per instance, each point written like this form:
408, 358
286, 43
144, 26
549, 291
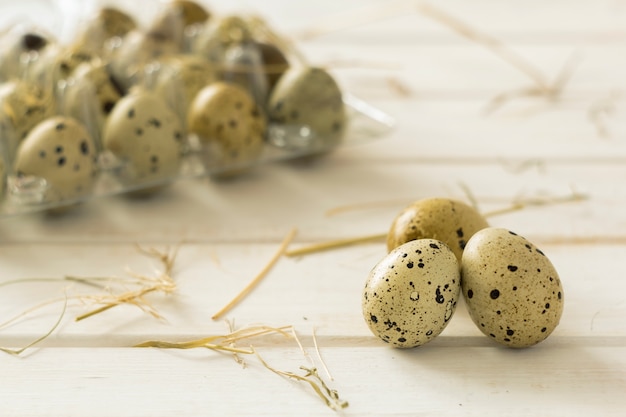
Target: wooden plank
244, 210
376, 381
466, 71
320, 291
581, 17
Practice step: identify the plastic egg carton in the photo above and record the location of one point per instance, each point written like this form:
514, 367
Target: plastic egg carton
121, 106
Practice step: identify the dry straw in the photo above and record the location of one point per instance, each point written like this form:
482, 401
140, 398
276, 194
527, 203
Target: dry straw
17, 352
144, 285
227, 342
163, 282
602, 109
252, 284
517, 205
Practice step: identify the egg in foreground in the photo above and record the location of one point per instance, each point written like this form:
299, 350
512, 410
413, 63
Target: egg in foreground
512, 291
411, 294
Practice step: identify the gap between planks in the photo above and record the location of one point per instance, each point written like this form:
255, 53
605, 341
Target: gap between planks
548, 240
324, 341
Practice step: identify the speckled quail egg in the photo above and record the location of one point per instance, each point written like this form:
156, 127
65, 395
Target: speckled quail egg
309, 100
254, 65
179, 78
219, 35
450, 221
145, 135
90, 95
512, 291
60, 151
109, 22
73, 56
184, 12
22, 106
412, 293
229, 124
178, 18
54, 64
20, 48
138, 50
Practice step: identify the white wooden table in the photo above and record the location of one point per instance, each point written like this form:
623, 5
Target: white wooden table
436, 84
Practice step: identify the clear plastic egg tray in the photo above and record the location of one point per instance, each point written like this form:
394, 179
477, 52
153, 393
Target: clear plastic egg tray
82, 75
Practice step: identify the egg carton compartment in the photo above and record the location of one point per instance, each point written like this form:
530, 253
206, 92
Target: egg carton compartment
128, 108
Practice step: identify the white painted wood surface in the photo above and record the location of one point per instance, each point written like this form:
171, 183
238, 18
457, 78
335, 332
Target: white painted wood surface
228, 230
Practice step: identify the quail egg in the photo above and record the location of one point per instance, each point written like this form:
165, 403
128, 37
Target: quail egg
145, 135
138, 50
307, 105
109, 22
512, 291
450, 221
90, 95
22, 106
179, 78
20, 48
220, 34
61, 152
412, 293
177, 19
229, 124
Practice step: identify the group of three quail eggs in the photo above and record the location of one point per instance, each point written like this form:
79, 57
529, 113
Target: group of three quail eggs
143, 96
441, 248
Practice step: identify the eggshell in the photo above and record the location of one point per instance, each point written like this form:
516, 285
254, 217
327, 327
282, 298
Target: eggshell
100, 33
90, 95
19, 47
412, 293
108, 23
219, 34
136, 51
181, 77
22, 106
144, 133
309, 97
513, 292
69, 58
180, 21
450, 221
97, 77
60, 151
227, 119
176, 15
